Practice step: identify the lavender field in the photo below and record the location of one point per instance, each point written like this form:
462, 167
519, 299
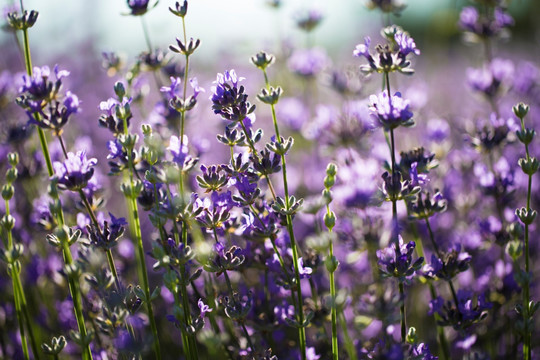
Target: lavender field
271, 180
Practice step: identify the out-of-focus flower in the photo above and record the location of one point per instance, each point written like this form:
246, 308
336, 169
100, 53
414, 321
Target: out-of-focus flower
308, 62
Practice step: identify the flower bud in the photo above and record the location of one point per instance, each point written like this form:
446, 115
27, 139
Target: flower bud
7, 192
520, 110
119, 90
13, 158
330, 220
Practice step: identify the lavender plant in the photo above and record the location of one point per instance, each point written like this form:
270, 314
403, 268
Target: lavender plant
221, 194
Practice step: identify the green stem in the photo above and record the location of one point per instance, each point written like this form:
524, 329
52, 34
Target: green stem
18, 312
402, 313
335, 349
395, 233
146, 34
439, 255
443, 343
141, 263
136, 228
349, 345
27, 319
68, 259
256, 157
527, 349
20, 300
294, 247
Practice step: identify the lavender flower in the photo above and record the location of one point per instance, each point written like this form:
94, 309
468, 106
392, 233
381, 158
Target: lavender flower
485, 25
391, 113
179, 149
75, 172
229, 99
491, 79
308, 62
398, 263
140, 7
107, 237
308, 20
391, 56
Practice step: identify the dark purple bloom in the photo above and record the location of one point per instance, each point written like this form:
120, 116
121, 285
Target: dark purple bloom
229, 100
421, 352
398, 262
139, 7
75, 172
108, 235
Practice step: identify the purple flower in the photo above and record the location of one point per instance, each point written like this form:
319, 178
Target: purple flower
305, 271
179, 149
406, 43
398, 262
203, 308
363, 49
139, 7
194, 83
489, 80
308, 20
391, 113
421, 352
416, 178
229, 99
468, 18
438, 130
484, 25
174, 89
39, 86
75, 172
108, 235
308, 62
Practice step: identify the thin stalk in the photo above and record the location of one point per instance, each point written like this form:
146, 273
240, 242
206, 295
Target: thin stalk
18, 312
20, 301
395, 233
187, 312
335, 352
527, 349
146, 34
136, 231
256, 157
294, 247
402, 312
27, 319
335, 349
229, 287
439, 255
68, 259
92, 215
349, 344
443, 343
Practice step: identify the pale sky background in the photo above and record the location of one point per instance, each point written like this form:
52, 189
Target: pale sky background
239, 26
